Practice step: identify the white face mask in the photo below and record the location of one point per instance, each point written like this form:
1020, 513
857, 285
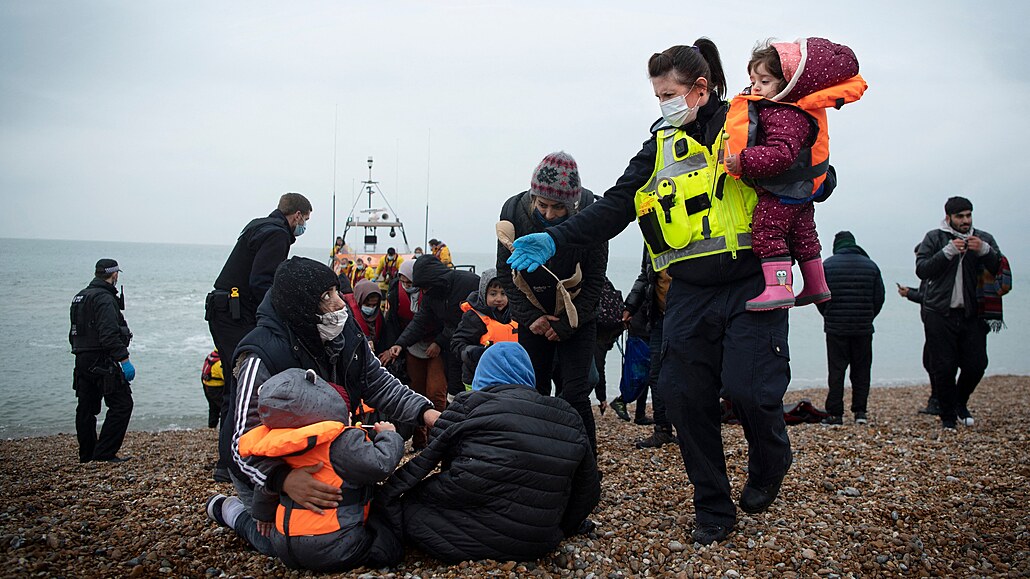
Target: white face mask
331, 324
677, 112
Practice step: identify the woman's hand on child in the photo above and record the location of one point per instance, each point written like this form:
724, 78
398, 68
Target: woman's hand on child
310, 493
384, 427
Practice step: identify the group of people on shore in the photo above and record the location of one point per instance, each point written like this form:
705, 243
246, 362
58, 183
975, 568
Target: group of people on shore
315, 411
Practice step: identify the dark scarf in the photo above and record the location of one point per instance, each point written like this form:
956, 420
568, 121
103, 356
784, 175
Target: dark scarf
989, 289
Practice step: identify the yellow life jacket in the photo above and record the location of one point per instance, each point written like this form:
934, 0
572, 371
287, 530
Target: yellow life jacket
495, 331
806, 175
691, 207
300, 447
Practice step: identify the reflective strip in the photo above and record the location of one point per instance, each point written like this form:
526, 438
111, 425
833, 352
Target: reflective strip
695, 162
698, 248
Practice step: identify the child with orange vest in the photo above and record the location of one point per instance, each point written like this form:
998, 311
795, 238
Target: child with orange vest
486, 321
778, 143
305, 422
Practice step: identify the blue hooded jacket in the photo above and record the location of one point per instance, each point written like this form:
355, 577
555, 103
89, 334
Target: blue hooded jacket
504, 363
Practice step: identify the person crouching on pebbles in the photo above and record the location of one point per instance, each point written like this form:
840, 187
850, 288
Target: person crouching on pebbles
303, 323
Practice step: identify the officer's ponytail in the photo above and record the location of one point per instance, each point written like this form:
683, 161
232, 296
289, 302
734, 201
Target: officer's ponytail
689, 63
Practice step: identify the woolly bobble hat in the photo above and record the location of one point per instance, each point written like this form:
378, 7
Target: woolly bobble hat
557, 178
297, 291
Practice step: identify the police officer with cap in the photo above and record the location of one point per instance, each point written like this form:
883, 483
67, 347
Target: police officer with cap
100, 338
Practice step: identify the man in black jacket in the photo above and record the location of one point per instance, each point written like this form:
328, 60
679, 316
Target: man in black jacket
555, 194
231, 309
439, 314
858, 294
517, 474
100, 339
950, 259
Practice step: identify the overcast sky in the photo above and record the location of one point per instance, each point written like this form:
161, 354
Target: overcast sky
180, 121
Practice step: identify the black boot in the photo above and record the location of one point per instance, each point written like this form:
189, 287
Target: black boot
932, 407
658, 438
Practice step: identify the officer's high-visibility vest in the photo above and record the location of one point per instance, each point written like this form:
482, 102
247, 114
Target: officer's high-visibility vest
691, 207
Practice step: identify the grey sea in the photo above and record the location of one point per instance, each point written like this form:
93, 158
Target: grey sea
165, 285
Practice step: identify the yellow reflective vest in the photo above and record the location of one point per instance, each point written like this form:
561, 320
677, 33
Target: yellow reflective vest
691, 207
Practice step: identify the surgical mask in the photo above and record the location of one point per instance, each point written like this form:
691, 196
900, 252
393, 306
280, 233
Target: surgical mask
299, 229
543, 221
411, 290
677, 112
331, 324
368, 310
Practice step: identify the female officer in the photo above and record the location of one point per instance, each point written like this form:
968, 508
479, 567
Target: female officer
696, 220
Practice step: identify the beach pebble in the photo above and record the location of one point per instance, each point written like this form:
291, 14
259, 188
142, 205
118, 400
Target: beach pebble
856, 502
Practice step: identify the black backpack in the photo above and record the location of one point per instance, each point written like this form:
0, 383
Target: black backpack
609, 306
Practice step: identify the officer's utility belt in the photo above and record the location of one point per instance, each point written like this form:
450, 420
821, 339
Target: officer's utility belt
222, 300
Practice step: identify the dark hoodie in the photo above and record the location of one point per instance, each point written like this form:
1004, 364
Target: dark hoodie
517, 473
440, 311
465, 343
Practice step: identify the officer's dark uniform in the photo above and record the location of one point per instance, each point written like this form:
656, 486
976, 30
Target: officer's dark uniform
100, 338
262, 245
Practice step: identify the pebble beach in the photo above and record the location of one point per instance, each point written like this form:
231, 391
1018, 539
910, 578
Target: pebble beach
896, 497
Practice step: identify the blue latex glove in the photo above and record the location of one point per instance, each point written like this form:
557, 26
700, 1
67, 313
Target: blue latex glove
128, 369
531, 251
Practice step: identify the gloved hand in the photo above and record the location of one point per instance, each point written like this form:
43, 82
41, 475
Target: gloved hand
531, 251
128, 369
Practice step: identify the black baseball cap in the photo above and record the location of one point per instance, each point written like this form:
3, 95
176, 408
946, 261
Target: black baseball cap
107, 266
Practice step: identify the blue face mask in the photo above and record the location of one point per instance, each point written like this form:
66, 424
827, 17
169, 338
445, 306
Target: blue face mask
299, 229
368, 310
542, 221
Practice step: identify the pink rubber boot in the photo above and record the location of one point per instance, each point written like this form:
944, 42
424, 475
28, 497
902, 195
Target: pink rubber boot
778, 293
815, 290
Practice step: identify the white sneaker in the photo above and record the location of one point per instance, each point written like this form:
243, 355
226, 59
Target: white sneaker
964, 417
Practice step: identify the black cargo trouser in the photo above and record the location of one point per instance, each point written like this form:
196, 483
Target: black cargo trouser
842, 352
713, 347
92, 388
955, 342
227, 334
661, 418
577, 357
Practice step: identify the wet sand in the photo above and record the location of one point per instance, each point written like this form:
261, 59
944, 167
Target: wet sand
894, 497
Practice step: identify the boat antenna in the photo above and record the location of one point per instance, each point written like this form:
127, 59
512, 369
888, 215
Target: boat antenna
429, 140
336, 117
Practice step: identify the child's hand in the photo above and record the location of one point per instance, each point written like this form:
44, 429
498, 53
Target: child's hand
264, 527
733, 164
384, 427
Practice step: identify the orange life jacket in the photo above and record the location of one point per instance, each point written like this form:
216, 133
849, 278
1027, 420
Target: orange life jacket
495, 331
301, 447
804, 178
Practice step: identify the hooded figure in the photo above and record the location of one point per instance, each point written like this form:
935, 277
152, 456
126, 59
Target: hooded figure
303, 323
304, 422
482, 325
369, 318
439, 312
517, 471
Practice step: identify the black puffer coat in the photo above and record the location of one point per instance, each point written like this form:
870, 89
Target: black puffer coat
517, 476
440, 312
857, 290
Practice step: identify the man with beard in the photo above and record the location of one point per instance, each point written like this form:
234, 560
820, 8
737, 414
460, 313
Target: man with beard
950, 259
